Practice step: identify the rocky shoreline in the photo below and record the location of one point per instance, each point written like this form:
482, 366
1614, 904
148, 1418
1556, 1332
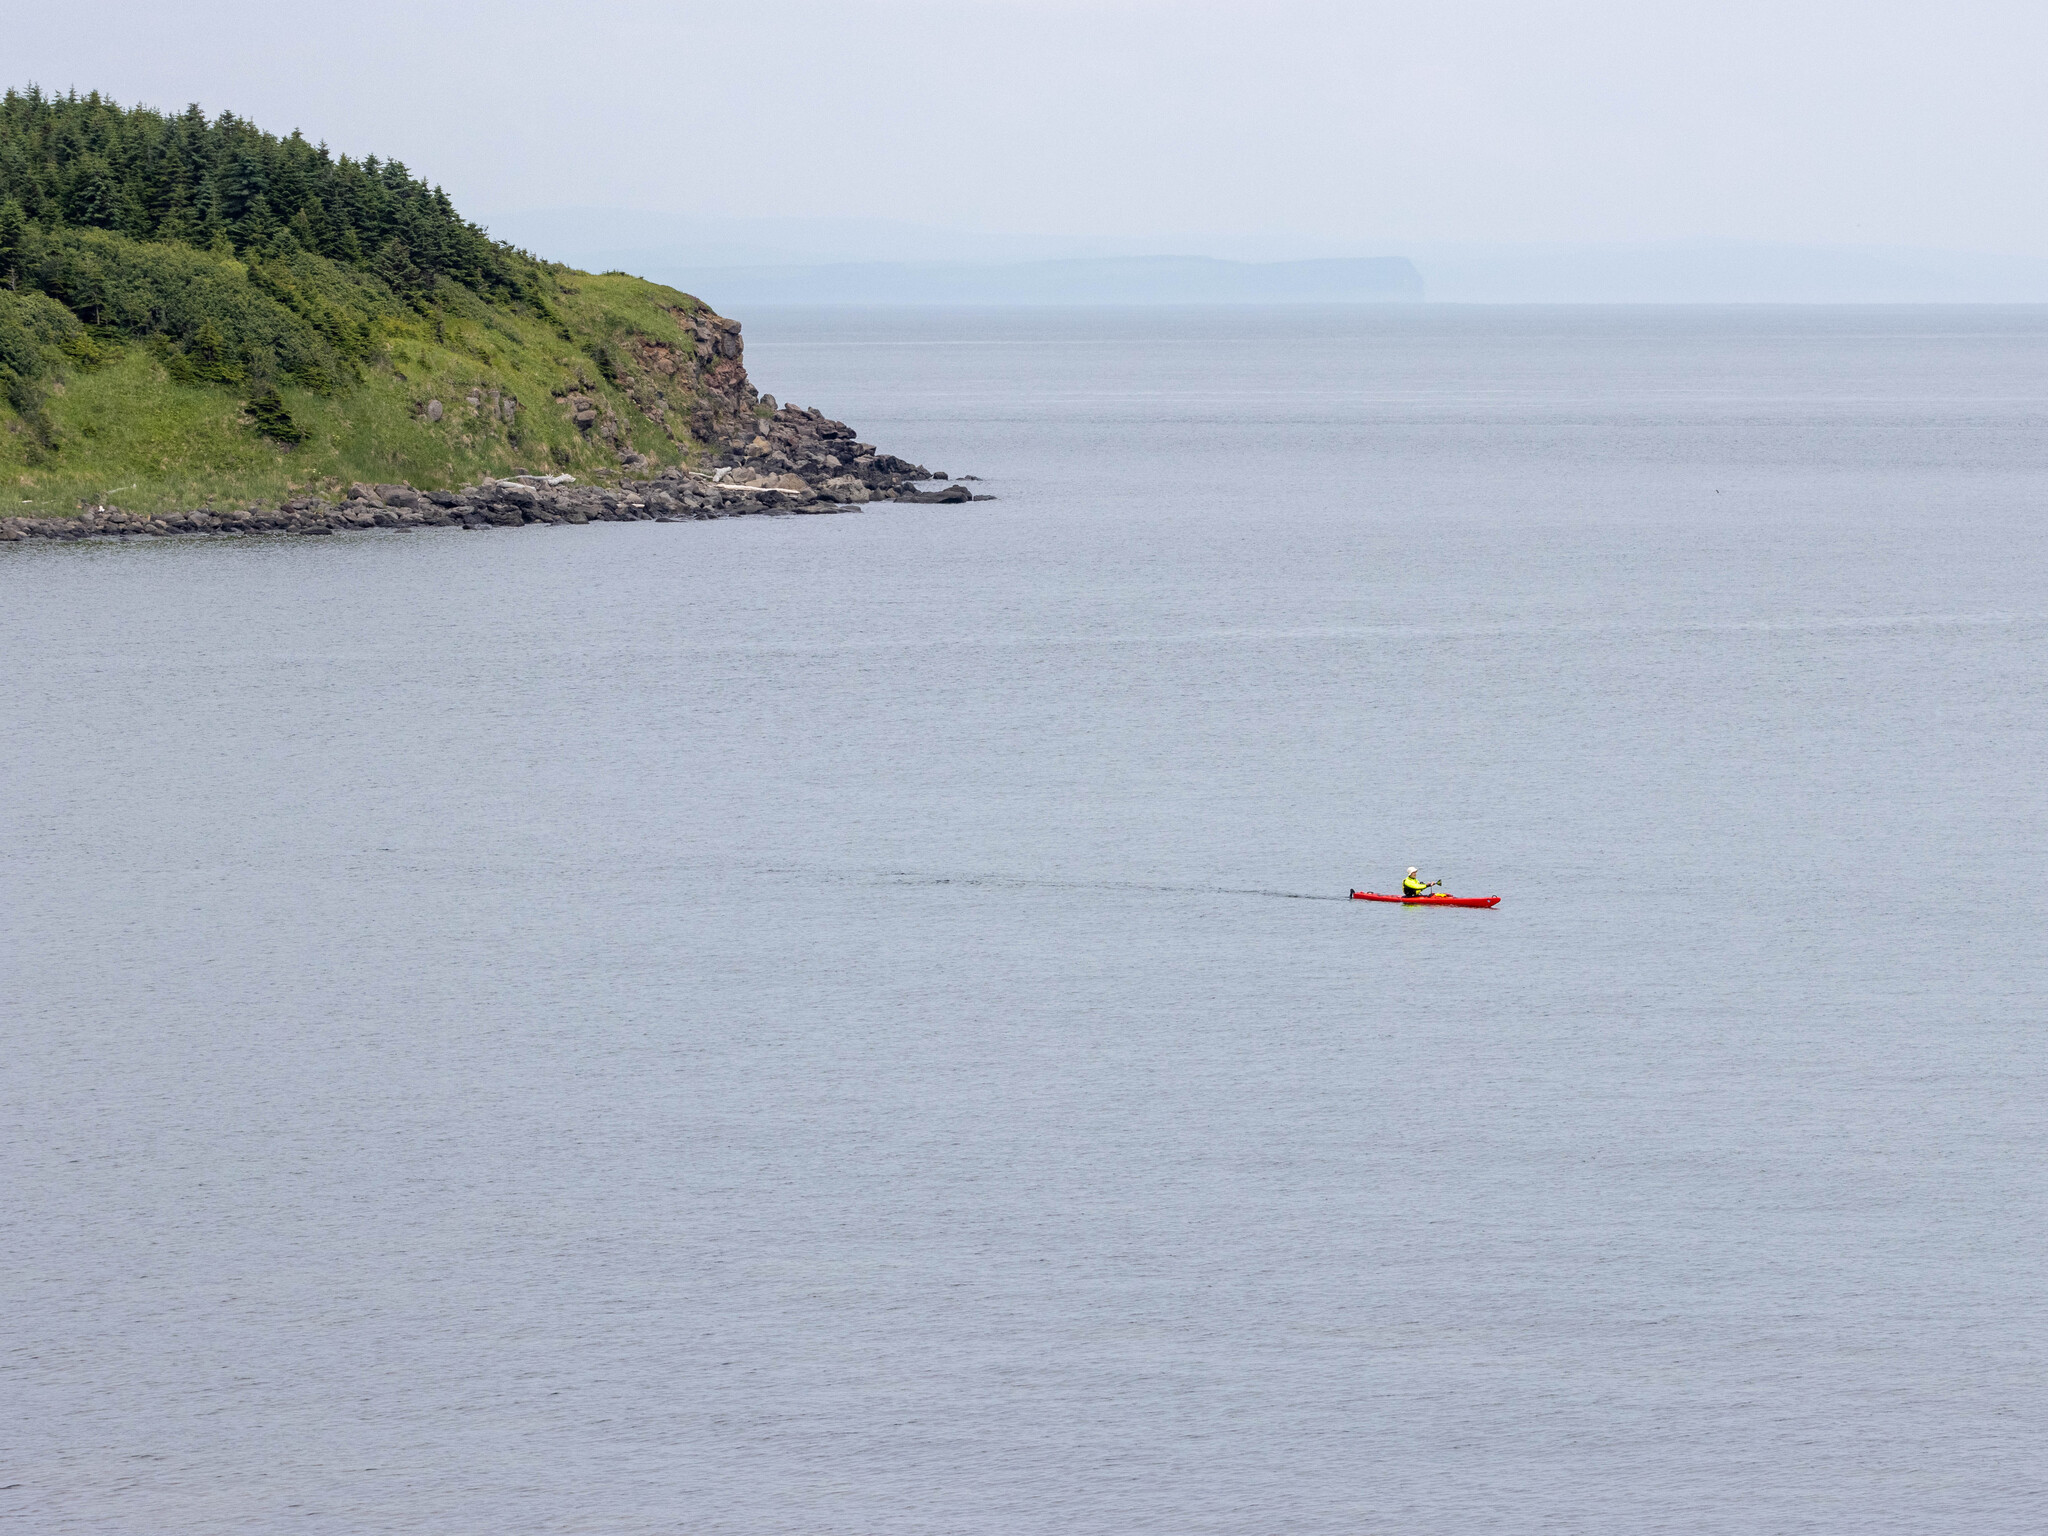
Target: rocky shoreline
797, 461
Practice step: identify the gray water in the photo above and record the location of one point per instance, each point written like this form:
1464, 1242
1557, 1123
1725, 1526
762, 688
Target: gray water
852, 1025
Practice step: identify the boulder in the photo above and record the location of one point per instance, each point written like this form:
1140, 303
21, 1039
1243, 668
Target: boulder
846, 488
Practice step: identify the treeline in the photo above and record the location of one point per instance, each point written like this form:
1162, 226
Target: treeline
84, 162
240, 258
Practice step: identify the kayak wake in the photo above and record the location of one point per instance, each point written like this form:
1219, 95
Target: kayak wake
1022, 883
1014, 882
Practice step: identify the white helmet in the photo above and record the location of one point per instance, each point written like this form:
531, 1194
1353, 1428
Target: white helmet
1411, 869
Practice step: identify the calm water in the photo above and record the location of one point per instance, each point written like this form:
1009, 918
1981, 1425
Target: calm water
841, 1024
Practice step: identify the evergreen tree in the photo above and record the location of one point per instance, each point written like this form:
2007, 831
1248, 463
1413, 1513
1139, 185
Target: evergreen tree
95, 196
131, 217
13, 226
394, 264
257, 224
211, 357
177, 225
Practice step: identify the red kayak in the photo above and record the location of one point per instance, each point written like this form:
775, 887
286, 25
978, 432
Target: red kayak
1429, 901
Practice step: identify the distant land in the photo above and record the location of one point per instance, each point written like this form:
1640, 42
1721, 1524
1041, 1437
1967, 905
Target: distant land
1677, 274
862, 261
1102, 280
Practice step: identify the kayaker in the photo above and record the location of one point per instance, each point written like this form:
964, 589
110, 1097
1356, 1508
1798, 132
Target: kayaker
1413, 886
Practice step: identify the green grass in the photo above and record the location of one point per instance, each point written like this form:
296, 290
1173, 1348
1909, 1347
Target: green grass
126, 433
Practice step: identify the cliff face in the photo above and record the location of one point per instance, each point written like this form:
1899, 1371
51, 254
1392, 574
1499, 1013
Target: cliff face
725, 414
733, 421
693, 386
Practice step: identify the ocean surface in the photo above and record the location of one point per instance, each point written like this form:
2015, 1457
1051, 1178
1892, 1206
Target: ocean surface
853, 1024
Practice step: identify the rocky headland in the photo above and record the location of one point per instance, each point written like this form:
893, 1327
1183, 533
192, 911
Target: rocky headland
206, 328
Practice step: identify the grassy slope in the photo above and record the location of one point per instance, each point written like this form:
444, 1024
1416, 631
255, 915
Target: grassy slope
128, 435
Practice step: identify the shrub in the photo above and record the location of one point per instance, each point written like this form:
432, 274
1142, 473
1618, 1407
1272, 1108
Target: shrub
35, 332
268, 411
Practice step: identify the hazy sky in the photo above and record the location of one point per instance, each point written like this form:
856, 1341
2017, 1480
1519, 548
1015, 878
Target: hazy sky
1348, 127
